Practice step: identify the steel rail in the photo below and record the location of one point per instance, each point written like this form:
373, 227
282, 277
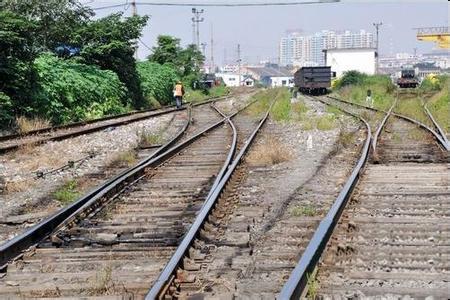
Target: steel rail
436, 124
72, 134
167, 275
436, 135
295, 286
14, 247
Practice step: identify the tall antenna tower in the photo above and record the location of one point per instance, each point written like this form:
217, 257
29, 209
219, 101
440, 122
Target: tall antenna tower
197, 20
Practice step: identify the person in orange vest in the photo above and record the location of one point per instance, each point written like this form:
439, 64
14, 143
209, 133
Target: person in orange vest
178, 93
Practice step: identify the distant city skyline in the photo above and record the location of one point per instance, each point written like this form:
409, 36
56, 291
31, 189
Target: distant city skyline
300, 50
259, 29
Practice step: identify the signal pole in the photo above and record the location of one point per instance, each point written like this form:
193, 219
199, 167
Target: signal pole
377, 26
197, 20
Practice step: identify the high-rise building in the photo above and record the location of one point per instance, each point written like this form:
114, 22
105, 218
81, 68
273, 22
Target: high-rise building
297, 49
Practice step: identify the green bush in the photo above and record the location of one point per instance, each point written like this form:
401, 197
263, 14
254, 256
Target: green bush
68, 91
353, 86
6, 110
157, 81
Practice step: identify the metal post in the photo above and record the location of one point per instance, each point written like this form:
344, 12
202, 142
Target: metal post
377, 26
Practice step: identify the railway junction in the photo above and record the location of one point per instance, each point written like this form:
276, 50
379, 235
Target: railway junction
321, 178
235, 204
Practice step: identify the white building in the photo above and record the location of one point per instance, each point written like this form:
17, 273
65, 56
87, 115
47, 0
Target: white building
230, 79
276, 81
299, 50
357, 59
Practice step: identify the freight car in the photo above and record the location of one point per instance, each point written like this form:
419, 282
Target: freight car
313, 80
408, 79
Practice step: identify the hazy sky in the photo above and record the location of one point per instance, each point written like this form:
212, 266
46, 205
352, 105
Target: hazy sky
259, 29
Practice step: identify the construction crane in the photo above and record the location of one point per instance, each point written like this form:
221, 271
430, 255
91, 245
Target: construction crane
439, 35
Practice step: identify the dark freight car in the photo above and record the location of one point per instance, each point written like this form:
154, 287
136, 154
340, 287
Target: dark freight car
313, 80
408, 79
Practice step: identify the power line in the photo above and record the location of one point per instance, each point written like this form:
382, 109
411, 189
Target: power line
224, 4
145, 45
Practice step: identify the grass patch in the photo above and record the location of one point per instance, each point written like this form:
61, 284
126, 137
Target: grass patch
383, 90
303, 211
313, 286
326, 122
270, 152
194, 96
281, 110
67, 193
124, 159
103, 283
412, 107
25, 125
146, 138
334, 111
439, 105
262, 102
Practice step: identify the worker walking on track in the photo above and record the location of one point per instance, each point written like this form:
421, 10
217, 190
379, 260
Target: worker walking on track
178, 93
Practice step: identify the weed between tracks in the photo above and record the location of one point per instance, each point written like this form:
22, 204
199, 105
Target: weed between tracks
103, 283
146, 138
270, 152
304, 211
67, 193
412, 107
124, 159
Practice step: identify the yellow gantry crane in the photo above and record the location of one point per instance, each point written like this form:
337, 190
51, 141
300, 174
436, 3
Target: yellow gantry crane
439, 35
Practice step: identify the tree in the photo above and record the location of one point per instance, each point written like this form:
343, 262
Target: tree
157, 81
167, 51
190, 60
17, 52
187, 62
55, 20
110, 43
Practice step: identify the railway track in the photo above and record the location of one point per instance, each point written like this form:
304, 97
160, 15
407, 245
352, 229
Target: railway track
26, 214
117, 242
243, 250
15, 141
389, 238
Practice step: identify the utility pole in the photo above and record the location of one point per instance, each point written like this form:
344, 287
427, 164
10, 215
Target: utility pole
193, 32
197, 20
211, 64
239, 63
377, 26
134, 13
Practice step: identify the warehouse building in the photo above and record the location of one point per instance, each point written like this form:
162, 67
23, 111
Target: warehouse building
351, 59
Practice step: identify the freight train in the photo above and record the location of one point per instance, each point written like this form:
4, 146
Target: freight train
313, 80
408, 79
